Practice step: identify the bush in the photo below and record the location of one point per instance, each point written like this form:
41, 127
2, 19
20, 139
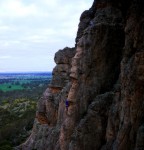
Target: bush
5, 145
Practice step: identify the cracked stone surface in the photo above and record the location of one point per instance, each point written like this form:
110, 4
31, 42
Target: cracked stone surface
103, 80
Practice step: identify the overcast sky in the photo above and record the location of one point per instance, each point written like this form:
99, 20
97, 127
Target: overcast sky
31, 31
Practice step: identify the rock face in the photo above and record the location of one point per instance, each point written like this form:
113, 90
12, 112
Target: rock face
103, 80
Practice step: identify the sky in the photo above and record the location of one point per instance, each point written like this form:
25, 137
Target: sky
32, 31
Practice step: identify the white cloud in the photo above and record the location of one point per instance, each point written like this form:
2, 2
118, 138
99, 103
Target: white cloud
4, 27
51, 3
37, 28
4, 43
16, 8
5, 57
8, 43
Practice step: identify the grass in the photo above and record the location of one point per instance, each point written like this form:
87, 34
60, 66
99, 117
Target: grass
9, 87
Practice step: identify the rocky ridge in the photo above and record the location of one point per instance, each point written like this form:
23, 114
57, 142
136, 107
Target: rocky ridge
103, 80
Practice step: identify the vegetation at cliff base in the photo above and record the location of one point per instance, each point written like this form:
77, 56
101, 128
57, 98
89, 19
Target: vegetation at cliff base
19, 94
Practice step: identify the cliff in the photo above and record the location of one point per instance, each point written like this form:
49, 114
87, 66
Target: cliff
103, 80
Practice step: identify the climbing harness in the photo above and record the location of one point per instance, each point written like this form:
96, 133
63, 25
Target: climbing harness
67, 104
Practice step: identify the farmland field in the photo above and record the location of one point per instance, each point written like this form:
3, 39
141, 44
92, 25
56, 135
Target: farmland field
9, 87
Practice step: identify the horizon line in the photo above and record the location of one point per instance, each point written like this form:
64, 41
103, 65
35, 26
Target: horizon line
24, 71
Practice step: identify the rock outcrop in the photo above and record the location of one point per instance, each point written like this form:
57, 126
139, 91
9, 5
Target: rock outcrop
103, 80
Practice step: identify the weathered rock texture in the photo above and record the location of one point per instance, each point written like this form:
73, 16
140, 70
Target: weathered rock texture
103, 79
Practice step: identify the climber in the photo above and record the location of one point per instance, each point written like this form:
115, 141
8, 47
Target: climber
67, 104
91, 23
